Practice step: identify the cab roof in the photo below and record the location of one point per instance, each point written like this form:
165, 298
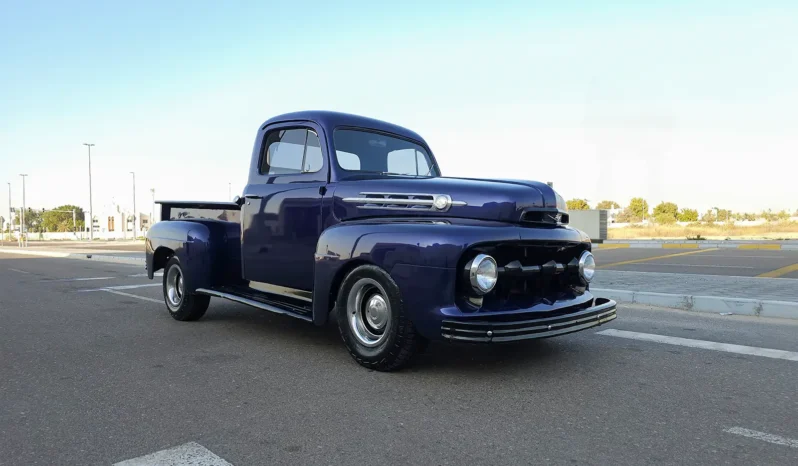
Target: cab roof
329, 121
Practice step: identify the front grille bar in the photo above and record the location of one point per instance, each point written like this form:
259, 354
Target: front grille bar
515, 268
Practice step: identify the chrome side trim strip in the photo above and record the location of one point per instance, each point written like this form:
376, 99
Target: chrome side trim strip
379, 200
282, 291
386, 199
253, 303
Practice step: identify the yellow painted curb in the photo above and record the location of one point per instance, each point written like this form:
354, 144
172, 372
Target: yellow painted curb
612, 246
759, 246
679, 245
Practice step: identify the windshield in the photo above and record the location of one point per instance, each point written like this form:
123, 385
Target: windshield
362, 151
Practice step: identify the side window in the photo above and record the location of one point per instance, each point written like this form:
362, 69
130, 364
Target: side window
314, 160
291, 151
407, 162
348, 160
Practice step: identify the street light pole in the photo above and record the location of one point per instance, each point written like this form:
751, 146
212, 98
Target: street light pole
24, 230
10, 220
134, 204
152, 212
229, 191
91, 210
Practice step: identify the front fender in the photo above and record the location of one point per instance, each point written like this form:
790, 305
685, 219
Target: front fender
421, 257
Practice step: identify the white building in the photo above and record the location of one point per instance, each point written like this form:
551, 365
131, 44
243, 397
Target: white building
113, 221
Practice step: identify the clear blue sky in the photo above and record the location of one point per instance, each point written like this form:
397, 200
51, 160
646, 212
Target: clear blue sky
692, 102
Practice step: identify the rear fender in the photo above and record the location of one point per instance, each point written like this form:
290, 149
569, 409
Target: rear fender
207, 253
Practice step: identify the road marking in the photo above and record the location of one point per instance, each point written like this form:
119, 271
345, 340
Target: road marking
779, 272
702, 344
635, 261
121, 287
188, 454
19, 271
79, 279
156, 274
679, 245
765, 437
122, 293
704, 265
723, 256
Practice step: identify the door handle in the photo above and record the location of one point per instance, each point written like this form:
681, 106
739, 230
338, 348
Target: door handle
252, 196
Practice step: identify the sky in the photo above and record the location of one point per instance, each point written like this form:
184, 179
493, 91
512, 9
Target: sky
693, 102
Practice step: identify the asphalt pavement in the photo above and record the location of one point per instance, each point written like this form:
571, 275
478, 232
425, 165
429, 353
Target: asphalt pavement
731, 262
94, 371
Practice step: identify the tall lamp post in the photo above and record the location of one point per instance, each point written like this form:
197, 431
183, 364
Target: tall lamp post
91, 210
24, 237
10, 220
134, 204
152, 212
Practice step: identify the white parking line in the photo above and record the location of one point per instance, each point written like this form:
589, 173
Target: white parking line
122, 293
765, 437
188, 454
696, 265
80, 279
19, 271
121, 287
702, 344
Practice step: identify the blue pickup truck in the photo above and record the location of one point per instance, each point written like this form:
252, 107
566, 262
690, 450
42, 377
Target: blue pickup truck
350, 217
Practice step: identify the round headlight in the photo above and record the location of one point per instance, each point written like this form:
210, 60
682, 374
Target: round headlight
483, 273
587, 266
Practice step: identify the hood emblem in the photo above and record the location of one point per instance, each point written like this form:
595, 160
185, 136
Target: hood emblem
404, 201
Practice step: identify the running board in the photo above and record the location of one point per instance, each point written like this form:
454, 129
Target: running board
253, 303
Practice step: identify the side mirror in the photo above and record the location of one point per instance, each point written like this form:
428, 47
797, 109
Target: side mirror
238, 200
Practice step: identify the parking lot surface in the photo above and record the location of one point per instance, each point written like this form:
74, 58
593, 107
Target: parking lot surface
94, 371
732, 262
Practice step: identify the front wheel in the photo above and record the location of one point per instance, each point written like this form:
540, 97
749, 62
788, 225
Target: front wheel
181, 305
373, 322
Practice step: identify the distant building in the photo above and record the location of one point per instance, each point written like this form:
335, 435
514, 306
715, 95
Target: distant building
113, 221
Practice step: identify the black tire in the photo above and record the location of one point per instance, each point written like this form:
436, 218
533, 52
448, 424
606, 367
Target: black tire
397, 343
181, 306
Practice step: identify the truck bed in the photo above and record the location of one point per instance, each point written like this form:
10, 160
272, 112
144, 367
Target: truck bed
185, 210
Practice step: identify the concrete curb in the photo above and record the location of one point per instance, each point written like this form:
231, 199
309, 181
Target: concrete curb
687, 244
708, 304
68, 255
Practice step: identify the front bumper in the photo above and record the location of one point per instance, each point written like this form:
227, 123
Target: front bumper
527, 326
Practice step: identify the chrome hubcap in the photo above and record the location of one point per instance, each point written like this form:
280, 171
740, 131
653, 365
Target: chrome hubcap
369, 312
174, 286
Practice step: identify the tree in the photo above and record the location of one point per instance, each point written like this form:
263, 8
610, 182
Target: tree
768, 215
33, 220
666, 209
607, 205
638, 208
783, 215
62, 219
724, 215
709, 216
687, 215
665, 218
577, 204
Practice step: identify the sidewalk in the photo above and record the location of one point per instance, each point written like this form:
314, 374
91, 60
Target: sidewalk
93, 253
753, 296
776, 289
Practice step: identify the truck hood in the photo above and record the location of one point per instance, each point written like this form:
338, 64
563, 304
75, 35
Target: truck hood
500, 200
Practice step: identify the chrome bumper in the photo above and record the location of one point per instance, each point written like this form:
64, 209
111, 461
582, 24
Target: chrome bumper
524, 328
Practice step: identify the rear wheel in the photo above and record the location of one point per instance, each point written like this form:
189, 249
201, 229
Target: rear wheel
373, 322
181, 305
